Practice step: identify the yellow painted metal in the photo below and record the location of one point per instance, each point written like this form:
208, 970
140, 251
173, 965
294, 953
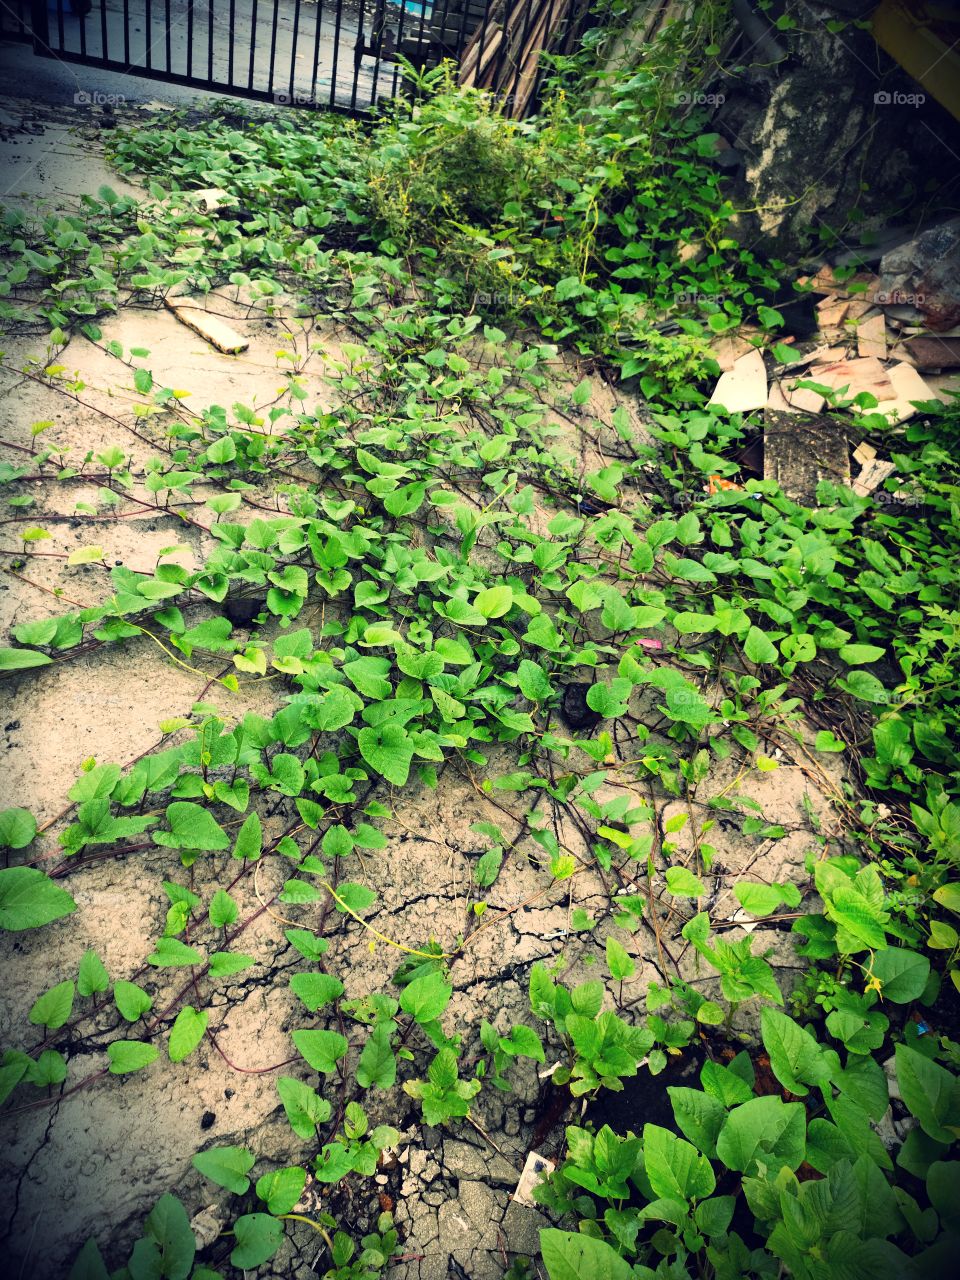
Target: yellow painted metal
924, 37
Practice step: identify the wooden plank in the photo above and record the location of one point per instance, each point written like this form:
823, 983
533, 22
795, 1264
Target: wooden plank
211, 328
801, 450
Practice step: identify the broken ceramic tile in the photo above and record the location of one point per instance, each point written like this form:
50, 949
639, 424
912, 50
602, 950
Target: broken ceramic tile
800, 450
907, 386
864, 452
855, 376
728, 349
933, 353
872, 336
744, 387
871, 476
776, 399
805, 400
833, 315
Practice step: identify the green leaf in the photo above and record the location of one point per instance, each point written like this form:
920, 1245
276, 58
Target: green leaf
858, 654
699, 1116
167, 1229
225, 963
356, 897
249, 841
570, 1255
367, 837
426, 998
795, 1057
758, 647
758, 899
54, 1007
17, 828
947, 895
223, 909
316, 989
334, 710
683, 883
488, 867
337, 842
903, 974
305, 1109
765, 1131
258, 1237
171, 951
865, 686
369, 676
676, 1170
377, 1066
389, 750
186, 1032
321, 1049
131, 1000
533, 681
609, 700
227, 1167
494, 602
29, 899
130, 1055
191, 827
50, 1068
89, 1264
930, 1092
93, 977
22, 659
282, 1189
619, 963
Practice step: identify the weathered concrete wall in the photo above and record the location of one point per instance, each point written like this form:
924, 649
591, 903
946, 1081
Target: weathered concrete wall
829, 134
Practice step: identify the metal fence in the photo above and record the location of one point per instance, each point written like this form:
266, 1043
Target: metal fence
339, 54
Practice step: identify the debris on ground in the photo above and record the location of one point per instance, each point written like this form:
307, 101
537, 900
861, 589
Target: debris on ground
923, 276
536, 1168
800, 451
209, 327
744, 387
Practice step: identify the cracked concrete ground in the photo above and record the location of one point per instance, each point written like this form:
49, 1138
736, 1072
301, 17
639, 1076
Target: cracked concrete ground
94, 1161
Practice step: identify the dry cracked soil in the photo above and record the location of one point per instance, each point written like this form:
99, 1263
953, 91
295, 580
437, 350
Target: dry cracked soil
94, 1159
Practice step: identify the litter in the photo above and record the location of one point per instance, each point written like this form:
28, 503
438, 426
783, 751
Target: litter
872, 337
209, 327
535, 1169
744, 387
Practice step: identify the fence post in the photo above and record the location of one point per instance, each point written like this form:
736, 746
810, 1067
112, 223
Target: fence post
40, 23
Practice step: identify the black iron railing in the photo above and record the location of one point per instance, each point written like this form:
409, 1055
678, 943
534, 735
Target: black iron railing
345, 55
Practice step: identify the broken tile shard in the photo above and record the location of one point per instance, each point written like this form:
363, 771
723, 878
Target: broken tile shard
744, 388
